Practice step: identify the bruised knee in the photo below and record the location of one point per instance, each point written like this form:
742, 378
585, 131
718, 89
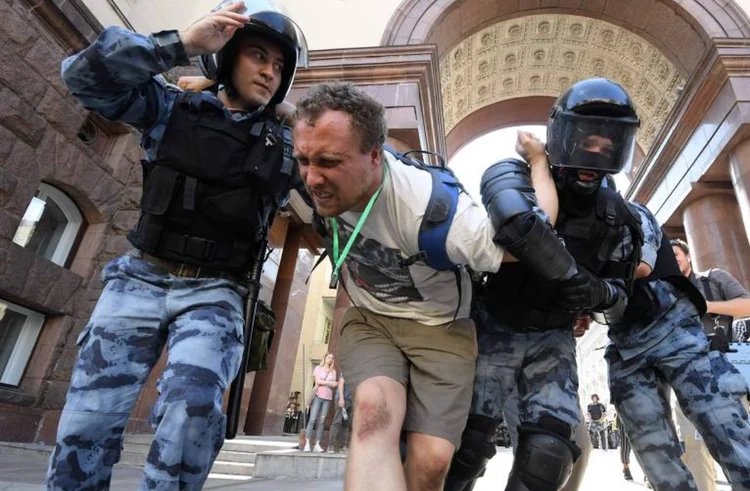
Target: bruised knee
373, 415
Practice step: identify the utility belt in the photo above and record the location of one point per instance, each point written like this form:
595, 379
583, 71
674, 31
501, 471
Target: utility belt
185, 270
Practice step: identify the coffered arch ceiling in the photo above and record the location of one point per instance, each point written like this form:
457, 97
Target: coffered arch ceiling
542, 55
681, 29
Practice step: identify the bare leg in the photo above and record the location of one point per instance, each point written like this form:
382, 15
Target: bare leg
374, 462
427, 461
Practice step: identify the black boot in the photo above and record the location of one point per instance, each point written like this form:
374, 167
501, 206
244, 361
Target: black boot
626, 474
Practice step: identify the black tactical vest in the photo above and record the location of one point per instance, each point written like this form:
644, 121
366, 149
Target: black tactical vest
640, 303
516, 297
211, 193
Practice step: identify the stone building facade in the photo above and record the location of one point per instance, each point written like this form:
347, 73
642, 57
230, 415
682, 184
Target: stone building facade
447, 71
70, 185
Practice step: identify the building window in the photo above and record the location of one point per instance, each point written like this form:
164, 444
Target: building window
50, 225
327, 325
19, 330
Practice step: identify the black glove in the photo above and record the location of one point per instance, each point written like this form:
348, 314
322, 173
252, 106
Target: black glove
585, 292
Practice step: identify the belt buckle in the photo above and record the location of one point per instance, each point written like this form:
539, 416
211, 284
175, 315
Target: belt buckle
185, 271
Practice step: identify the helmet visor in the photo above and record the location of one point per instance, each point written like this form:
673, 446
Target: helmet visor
592, 142
280, 23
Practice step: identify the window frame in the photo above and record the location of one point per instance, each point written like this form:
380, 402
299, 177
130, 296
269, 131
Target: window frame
20, 357
73, 215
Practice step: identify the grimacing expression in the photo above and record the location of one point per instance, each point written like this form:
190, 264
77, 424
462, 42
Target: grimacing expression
257, 70
683, 260
337, 174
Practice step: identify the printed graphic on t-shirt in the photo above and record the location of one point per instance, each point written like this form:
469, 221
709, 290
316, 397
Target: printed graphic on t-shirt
378, 269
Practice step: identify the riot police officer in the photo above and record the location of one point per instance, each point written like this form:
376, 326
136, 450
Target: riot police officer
217, 167
654, 325
524, 322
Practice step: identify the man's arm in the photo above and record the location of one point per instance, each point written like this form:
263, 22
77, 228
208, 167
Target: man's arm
341, 392
736, 301
652, 236
531, 149
116, 75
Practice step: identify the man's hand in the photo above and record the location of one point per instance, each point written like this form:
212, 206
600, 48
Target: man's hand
210, 33
584, 291
341, 402
530, 148
195, 83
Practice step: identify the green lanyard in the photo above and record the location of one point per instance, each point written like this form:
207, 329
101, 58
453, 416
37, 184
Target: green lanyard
339, 259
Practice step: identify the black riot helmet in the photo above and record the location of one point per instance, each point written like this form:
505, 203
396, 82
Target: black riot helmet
266, 21
592, 126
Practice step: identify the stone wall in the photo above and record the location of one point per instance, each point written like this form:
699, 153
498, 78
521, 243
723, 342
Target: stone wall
39, 126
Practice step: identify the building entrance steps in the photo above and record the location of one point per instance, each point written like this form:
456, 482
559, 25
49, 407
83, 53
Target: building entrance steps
299, 465
236, 458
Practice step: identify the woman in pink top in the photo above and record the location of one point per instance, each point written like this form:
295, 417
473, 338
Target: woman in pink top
325, 382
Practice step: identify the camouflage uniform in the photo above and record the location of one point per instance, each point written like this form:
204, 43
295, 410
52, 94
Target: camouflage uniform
143, 308
669, 349
540, 365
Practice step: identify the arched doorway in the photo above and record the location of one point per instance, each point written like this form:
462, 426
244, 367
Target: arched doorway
502, 62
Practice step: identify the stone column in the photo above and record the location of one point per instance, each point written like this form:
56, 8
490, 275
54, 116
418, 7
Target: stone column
267, 408
739, 168
715, 233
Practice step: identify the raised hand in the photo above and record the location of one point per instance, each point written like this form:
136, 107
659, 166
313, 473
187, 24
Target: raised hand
530, 147
210, 33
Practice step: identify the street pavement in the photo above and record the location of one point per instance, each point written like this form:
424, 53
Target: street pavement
26, 473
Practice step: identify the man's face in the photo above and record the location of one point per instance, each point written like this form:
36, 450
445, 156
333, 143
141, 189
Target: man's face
337, 174
594, 399
257, 71
594, 144
683, 260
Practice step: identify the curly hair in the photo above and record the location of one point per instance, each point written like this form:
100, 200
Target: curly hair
367, 115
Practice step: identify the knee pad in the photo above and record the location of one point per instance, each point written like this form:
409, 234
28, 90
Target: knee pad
544, 458
477, 448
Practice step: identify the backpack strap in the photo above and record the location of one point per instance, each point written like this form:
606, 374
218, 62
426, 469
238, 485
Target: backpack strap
433, 231
706, 283
437, 220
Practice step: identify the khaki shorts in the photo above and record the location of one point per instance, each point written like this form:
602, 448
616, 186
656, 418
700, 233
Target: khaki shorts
436, 364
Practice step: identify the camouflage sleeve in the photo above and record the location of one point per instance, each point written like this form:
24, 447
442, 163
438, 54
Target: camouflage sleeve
116, 76
652, 234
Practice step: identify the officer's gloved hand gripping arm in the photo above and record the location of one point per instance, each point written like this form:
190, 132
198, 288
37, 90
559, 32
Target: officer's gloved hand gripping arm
116, 75
518, 216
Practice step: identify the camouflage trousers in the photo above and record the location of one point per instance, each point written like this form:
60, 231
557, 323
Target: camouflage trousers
709, 390
142, 309
541, 366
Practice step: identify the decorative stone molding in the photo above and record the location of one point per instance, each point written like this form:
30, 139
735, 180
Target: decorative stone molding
728, 61
542, 55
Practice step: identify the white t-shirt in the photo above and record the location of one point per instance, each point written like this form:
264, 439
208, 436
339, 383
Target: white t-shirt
374, 273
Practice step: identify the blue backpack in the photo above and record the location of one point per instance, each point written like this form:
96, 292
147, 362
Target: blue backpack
438, 217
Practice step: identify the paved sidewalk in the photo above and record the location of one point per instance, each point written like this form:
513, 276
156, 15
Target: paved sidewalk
26, 474
19, 473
